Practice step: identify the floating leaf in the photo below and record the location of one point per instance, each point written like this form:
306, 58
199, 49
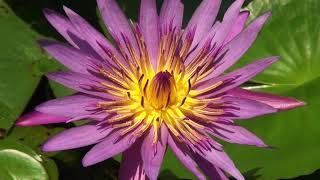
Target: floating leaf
293, 34
20, 162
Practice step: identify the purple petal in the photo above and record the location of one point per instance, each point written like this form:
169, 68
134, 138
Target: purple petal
62, 25
116, 22
203, 19
183, 154
131, 163
79, 82
238, 26
109, 147
235, 78
148, 21
70, 106
97, 116
37, 118
93, 37
72, 58
243, 108
171, 12
229, 20
239, 45
75, 137
220, 160
210, 37
210, 170
278, 102
236, 134
152, 154
218, 33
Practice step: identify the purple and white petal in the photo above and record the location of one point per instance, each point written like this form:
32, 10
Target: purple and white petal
171, 13
37, 118
131, 163
222, 161
211, 171
217, 34
62, 24
278, 102
96, 40
203, 19
184, 156
74, 59
116, 22
110, 146
236, 134
242, 108
232, 51
152, 154
148, 21
238, 26
228, 22
70, 106
80, 82
75, 137
235, 78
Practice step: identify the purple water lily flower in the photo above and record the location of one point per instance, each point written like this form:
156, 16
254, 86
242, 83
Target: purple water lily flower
157, 87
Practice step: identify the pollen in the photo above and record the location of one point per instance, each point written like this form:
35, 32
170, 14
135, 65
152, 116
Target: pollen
162, 91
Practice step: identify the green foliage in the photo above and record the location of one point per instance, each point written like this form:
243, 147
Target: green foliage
20, 162
19, 57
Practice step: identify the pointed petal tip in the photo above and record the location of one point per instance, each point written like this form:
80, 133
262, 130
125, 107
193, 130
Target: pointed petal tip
268, 61
281, 103
300, 103
22, 122
67, 10
36, 118
88, 161
268, 13
286, 103
261, 20
48, 147
274, 58
293, 103
47, 11
263, 145
265, 16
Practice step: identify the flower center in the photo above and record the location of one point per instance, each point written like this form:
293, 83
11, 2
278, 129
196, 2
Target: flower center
162, 91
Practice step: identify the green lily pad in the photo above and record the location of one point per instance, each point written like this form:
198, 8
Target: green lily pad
20, 68
21, 162
293, 34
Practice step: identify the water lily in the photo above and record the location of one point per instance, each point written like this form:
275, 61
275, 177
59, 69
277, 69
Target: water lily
157, 86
